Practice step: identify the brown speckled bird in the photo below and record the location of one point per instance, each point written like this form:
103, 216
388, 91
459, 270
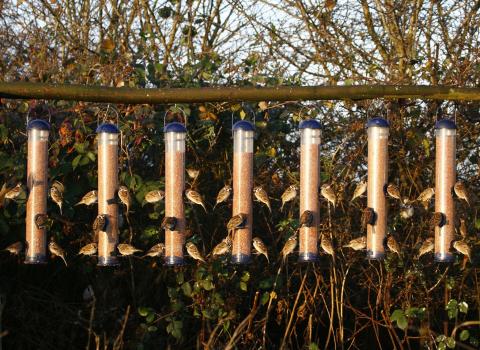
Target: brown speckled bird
426, 195
461, 191
88, 250
126, 249
327, 192
392, 244
236, 222
426, 247
56, 250
437, 219
359, 190
100, 223
59, 186
289, 195
394, 192
260, 247
155, 251
306, 219
368, 217
57, 197
194, 252
223, 247
289, 247
327, 245
14, 192
463, 228
223, 195
195, 197
41, 221
359, 243
193, 173
169, 223
124, 196
154, 196
15, 248
89, 198
463, 248
262, 196
406, 211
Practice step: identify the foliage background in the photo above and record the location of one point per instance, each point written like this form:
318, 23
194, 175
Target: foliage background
349, 303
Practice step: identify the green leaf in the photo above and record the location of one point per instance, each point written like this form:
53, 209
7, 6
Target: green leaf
150, 317
180, 278
450, 342
452, 310
265, 297
187, 289
463, 307
152, 328
464, 335
441, 346
440, 338
143, 311
207, 285
313, 346
245, 276
76, 160
243, 286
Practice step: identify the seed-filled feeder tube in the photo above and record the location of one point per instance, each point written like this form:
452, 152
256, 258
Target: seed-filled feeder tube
378, 131
107, 193
37, 184
445, 173
174, 187
243, 133
310, 134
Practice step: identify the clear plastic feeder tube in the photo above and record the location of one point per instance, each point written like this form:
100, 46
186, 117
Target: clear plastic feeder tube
378, 131
37, 184
174, 187
310, 135
107, 193
243, 134
445, 174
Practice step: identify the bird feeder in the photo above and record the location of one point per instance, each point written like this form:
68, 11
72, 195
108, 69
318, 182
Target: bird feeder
310, 134
243, 133
174, 187
37, 184
378, 130
445, 134
107, 193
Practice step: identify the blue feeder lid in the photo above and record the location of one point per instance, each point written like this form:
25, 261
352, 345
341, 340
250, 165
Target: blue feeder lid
445, 124
243, 125
107, 128
175, 127
378, 122
38, 124
310, 124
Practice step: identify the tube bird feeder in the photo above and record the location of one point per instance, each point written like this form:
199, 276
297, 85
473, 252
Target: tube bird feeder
174, 187
378, 131
310, 134
445, 173
37, 184
243, 133
107, 193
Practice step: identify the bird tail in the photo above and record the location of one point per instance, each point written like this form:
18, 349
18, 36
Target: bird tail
81, 202
204, 208
64, 260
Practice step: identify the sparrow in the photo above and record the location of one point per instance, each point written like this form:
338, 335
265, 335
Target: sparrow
15, 248
41, 221
236, 221
56, 250
124, 196
156, 250
359, 190
461, 191
368, 217
262, 196
168, 223
289, 194
57, 197
426, 195
195, 197
127, 249
14, 192
437, 219
193, 251
394, 192
289, 247
89, 198
393, 245
306, 219
328, 193
426, 247
88, 250
260, 247
100, 223
406, 212
154, 196
463, 248
359, 243
463, 228
193, 173
326, 244
59, 186
223, 247
223, 195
